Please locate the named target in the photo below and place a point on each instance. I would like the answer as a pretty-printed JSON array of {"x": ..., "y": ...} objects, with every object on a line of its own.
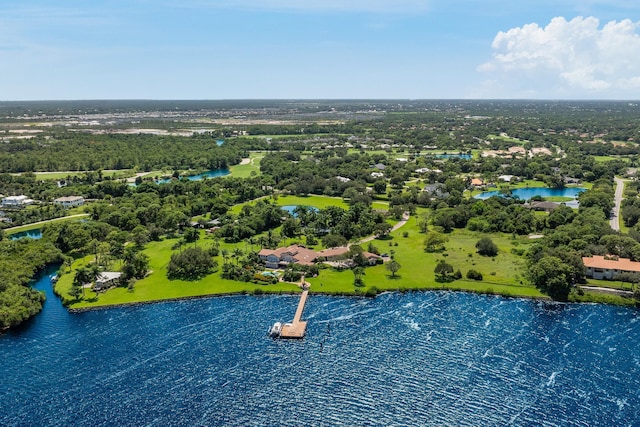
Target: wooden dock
[{"x": 297, "y": 327}]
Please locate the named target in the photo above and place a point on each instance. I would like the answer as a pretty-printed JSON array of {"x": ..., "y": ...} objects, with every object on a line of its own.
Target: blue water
[
  {"x": 433, "y": 358},
  {"x": 527, "y": 193},
  {"x": 208, "y": 174},
  {"x": 31, "y": 234},
  {"x": 291, "y": 209},
  {"x": 450, "y": 156},
  {"x": 219, "y": 142}
]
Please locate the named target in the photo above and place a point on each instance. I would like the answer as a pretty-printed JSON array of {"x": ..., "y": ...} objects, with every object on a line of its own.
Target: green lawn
[
  {"x": 602, "y": 159},
  {"x": 316, "y": 201},
  {"x": 35, "y": 226},
  {"x": 157, "y": 287},
  {"x": 244, "y": 171},
  {"x": 124, "y": 173},
  {"x": 501, "y": 274}
]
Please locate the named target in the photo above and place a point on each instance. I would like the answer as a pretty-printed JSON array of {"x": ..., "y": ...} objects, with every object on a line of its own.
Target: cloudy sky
[{"x": 283, "y": 49}]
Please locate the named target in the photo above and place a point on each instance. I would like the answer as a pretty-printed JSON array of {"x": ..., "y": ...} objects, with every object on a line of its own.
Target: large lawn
[
  {"x": 245, "y": 170},
  {"x": 502, "y": 274},
  {"x": 315, "y": 201},
  {"x": 156, "y": 286}
]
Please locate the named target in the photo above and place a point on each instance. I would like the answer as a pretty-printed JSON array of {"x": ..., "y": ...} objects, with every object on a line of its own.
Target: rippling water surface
[{"x": 434, "y": 358}]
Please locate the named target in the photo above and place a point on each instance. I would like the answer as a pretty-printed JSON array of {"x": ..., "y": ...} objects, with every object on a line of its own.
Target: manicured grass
[
  {"x": 602, "y": 159},
  {"x": 502, "y": 274},
  {"x": 62, "y": 175},
  {"x": 35, "y": 226},
  {"x": 417, "y": 270},
  {"x": 157, "y": 287},
  {"x": 244, "y": 171},
  {"x": 316, "y": 201}
]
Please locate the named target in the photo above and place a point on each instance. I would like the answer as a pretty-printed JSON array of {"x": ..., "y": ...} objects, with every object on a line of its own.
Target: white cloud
[{"x": 570, "y": 57}]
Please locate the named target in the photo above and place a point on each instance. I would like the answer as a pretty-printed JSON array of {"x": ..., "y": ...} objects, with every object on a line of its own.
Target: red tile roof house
[
  {"x": 600, "y": 267},
  {"x": 281, "y": 257},
  {"x": 294, "y": 254}
]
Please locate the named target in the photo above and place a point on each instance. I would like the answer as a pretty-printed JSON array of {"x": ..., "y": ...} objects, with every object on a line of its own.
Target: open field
[
  {"x": 502, "y": 274},
  {"x": 117, "y": 174},
  {"x": 39, "y": 224},
  {"x": 245, "y": 170},
  {"x": 156, "y": 286}
]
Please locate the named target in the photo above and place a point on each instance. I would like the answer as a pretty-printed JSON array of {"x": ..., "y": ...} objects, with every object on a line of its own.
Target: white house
[
  {"x": 16, "y": 201},
  {"x": 600, "y": 267},
  {"x": 107, "y": 279},
  {"x": 69, "y": 201}
]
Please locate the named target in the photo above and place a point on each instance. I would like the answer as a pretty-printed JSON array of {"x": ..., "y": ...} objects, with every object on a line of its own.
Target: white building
[
  {"x": 16, "y": 201},
  {"x": 107, "y": 279},
  {"x": 69, "y": 201}
]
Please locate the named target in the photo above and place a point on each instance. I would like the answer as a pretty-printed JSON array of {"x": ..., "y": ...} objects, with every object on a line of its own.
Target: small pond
[
  {"x": 528, "y": 193},
  {"x": 451, "y": 156},
  {"x": 208, "y": 174},
  {"x": 30, "y": 234},
  {"x": 291, "y": 208}
]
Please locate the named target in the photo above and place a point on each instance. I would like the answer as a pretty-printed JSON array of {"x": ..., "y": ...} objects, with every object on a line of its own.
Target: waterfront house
[
  {"x": 608, "y": 267},
  {"x": 107, "y": 279},
  {"x": 69, "y": 201},
  {"x": 281, "y": 257}
]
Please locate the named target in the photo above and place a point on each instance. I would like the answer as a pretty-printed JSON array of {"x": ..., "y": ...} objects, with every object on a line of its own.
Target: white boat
[{"x": 274, "y": 331}]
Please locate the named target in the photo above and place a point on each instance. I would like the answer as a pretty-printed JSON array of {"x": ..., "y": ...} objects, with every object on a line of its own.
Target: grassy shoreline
[{"x": 503, "y": 274}]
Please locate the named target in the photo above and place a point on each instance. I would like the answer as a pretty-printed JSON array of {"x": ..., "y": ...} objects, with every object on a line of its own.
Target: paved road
[
  {"x": 405, "y": 218},
  {"x": 615, "y": 213}
]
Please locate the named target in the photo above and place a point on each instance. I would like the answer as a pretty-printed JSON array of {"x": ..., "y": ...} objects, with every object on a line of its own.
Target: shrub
[
  {"x": 486, "y": 247},
  {"x": 474, "y": 275}
]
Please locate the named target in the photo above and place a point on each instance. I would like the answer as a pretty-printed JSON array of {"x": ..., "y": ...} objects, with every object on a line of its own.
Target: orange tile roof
[
  {"x": 623, "y": 264},
  {"x": 331, "y": 252}
]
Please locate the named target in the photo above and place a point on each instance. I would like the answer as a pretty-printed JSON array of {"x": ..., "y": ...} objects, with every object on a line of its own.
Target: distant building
[
  {"x": 600, "y": 267},
  {"x": 477, "y": 182},
  {"x": 69, "y": 201},
  {"x": 16, "y": 201}
]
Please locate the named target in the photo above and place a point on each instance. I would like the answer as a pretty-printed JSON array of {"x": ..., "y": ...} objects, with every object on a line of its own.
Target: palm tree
[
  {"x": 225, "y": 255},
  {"x": 237, "y": 253},
  {"x": 358, "y": 272}
]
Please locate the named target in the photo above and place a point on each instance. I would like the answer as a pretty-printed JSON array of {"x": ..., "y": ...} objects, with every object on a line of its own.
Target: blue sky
[{"x": 284, "y": 49}]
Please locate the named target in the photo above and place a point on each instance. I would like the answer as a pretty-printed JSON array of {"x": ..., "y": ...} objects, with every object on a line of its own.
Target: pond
[
  {"x": 291, "y": 208},
  {"x": 451, "y": 156},
  {"x": 528, "y": 193},
  {"x": 207, "y": 174},
  {"x": 31, "y": 234}
]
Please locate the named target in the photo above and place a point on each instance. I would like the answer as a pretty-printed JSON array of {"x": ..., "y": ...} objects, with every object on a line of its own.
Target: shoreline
[{"x": 340, "y": 294}]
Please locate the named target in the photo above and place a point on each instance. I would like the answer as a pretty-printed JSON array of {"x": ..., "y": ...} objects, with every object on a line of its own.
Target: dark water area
[{"x": 432, "y": 358}]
